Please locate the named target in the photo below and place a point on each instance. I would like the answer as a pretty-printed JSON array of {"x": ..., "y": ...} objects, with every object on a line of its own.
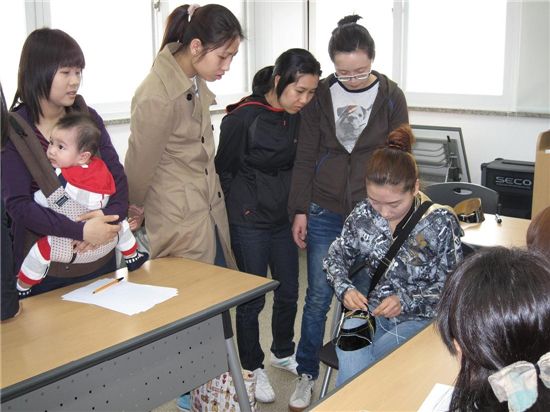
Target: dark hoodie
[
  {"x": 254, "y": 161},
  {"x": 324, "y": 172}
]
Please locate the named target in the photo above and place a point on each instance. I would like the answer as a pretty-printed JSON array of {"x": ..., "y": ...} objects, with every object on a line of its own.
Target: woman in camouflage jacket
[{"x": 405, "y": 298}]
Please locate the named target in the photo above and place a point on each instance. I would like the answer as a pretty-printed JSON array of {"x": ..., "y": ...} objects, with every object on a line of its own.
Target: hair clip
[
  {"x": 191, "y": 9},
  {"x": 517, "y": 383}
]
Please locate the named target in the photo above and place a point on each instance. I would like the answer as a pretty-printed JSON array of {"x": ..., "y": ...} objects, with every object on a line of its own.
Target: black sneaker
[{"x": 134, "y": 263}]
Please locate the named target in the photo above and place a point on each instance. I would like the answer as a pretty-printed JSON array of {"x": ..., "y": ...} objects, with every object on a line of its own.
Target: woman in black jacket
[{"x": 255, "y": 157}]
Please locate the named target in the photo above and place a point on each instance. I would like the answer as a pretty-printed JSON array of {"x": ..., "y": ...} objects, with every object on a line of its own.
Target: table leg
[{"x": 234, "y": 363}]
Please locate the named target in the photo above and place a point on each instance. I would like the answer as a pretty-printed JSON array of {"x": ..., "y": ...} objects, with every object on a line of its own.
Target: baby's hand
[{"x": 135, "y": 217}]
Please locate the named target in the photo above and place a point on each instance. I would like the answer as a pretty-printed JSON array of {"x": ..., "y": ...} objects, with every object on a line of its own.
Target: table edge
[
  {"x": 336, "y": 390},
  {"x": 46, "y": 378}
]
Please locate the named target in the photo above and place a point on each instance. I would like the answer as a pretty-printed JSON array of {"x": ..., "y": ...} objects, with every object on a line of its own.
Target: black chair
[
  {"x": 327, "y": 353},
  {"x": 452, "y": 193}
]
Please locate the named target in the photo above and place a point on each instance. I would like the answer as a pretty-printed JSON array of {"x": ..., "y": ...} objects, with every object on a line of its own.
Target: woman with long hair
[
  {"x": 50, "y": 73},
  {"x": 494, "y": 315},
  {"x": 170, "y": 157}
]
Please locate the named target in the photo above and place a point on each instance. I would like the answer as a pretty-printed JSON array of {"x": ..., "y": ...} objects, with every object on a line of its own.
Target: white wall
[{"x": 533, "y": 88}]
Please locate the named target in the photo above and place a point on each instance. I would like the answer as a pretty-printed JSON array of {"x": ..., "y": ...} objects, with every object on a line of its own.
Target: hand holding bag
[{"x": 361, "y": 333}]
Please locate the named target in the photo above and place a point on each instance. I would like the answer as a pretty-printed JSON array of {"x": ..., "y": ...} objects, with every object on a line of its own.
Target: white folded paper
[
  {"x": 124, "y": 297},
  {"x": 438, "y": 399}
]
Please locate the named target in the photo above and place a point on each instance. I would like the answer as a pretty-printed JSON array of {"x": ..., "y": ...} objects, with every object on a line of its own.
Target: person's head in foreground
[
  {"x": 494, "y": 314},
  {"x": 538, "y": 233}
]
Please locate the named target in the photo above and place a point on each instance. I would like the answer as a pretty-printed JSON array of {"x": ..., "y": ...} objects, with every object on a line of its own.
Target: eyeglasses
[{"x": 360, "y": 76}]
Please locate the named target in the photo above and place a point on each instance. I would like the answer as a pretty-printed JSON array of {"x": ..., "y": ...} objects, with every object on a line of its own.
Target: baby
[{"x": 73, "y": 149}]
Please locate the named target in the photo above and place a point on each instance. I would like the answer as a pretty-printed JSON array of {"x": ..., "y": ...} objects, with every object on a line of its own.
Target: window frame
[
  {"x": 38, "y": 14},
  {"x": 504, "y": 102}
]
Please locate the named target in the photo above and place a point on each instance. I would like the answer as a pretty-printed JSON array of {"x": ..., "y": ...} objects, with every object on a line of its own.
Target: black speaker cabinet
[{"x": 513, "y": 180}]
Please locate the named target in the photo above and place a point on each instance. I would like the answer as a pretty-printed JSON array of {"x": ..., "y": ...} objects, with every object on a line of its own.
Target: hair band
[
  {"x": 191, "y": 9},
  {"x": 393, "y": 145},
  {"x": 517, "y": 383}
]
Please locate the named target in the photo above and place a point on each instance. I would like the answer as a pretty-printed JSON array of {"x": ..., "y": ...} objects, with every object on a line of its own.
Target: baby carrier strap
[
  {"x": 29, "y": 148},
  {"x": 27, "y": 144}
]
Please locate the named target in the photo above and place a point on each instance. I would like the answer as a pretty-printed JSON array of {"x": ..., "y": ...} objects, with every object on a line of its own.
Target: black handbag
[{"x": 358, "y": 337}]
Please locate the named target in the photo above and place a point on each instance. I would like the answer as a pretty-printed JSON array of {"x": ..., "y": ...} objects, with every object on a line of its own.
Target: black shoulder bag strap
[
  {"x": 397, "y": 243},
  {"x": 386, "y": 261}
]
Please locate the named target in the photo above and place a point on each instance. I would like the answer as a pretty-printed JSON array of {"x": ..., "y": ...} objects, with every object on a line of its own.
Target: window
[
  {"x": 443, "y": 53},
  {"x": 11, "y": 49},
  {"x": 457, "y": 53},
  {"x": 119, "y": 39}
]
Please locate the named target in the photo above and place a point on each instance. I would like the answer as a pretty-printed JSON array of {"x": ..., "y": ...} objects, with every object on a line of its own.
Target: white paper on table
[
  {"x": 125, "y": 297},
  {"x": 438, "y": 399}
]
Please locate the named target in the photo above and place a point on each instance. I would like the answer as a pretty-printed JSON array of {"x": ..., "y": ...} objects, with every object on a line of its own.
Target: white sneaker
[
  {"x": 301, "y": 397},
  {"x": 264, "y": 392},
  {"x": 288, "y": 364}
]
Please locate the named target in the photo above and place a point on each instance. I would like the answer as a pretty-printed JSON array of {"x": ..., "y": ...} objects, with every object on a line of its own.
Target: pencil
[{"x": 105, "y": 286}]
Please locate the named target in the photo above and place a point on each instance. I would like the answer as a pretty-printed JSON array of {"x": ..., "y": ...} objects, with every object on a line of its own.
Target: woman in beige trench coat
[{"x": 170, "y": 157}]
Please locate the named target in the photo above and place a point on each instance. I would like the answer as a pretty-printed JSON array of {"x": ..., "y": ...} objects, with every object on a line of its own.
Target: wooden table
[
  {"x": 399, "y": 382},
  {"x": 511, "y": 232},
  {"x": 61, "y": 355}
]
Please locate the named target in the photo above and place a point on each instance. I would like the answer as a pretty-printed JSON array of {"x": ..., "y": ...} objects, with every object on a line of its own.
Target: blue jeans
[
  {"x": 256, "y": 249},
  {"x": 388, "y": 336},
  {"x": 323, "y": 227}
]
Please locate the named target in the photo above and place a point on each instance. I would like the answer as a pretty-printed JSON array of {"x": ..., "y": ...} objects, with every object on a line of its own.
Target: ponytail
[
  {"x": 262, "y": 82},
  {"x": 176, "y": 25},
  {"x": 213, "y": 24}
]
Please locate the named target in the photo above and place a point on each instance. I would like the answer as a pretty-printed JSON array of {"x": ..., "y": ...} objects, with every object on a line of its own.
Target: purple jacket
[{"x": 18, "y": 187}]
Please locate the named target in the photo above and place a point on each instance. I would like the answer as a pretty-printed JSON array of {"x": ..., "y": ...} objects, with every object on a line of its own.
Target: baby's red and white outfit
[{"x": 91, "y": 186}]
